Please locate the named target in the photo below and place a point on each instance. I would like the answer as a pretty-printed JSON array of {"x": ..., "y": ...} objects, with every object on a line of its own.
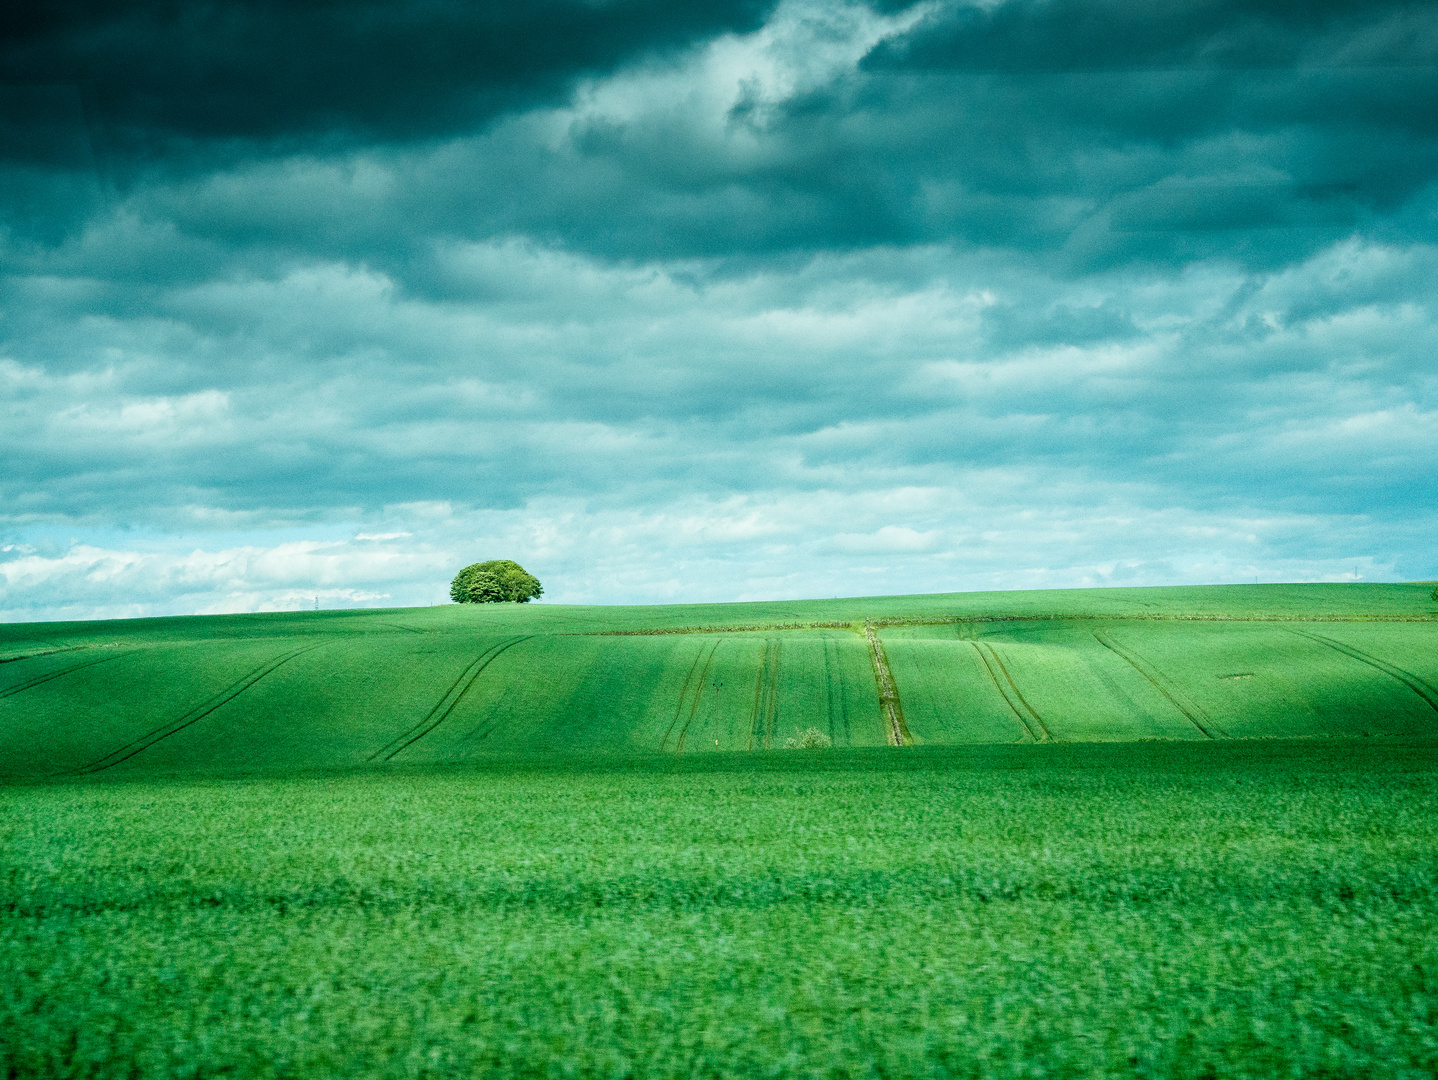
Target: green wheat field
[{"x": 1185, "y": 832}]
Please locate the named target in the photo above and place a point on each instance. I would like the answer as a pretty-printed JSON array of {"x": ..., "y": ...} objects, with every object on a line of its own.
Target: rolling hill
[{"x": 343, "y": 688}]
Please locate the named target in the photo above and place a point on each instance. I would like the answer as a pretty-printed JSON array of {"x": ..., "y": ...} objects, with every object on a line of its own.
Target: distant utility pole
[{"x": 317, "y": 603}]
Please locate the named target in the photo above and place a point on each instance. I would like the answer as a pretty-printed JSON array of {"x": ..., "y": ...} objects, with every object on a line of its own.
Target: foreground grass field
[
  {"x": 504, "y": 841},
  {"x": 458, "y": 683},
  {"x": 1184, "y": 909}
]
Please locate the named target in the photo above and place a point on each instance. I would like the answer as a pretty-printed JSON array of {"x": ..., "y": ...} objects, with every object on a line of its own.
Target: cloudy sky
[{"x": 711, "y": 299}]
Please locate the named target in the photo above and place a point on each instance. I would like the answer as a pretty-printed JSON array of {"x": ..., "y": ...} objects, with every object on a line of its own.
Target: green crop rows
[
  {"x": 455, "y": 683},
  {"x": 1166, "y": 910},
  {"x": 1159, "y": 833}
]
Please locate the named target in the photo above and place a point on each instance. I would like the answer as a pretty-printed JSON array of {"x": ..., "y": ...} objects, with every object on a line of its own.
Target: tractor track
[
  {"x": 1026, "y": 714},
  {"x": 47, "y": 652},
  {"x": 683, "y": 696},
  {"x": 11, "y": 691},
  {"x": 1191, "y": 711},
  {"x": 485, "y": 728},
  {"x": 698, "y": 695},
  {"x": 195, "y": 715},
  {"x": 764, "y": 714},
  {"x": 1417, "y": 684},
  {"x": 889, "y": 707},
  {"x": 447, "y": 703}
]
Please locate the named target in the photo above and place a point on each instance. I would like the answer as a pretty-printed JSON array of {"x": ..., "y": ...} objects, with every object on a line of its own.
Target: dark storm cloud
[
  {"x": 1078, "y": 35},
  {"x": 157, "y": 75},
  {"x": 1099, "y": 132},
  {"x": 98, "y": 98},
  {"x": 1090, "y": 133},
  {"x": 1125, "y": 130}
]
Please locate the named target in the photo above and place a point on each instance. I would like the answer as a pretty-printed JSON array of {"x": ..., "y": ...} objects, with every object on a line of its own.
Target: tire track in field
[
  {"x": 11, "y": 691},
  {"x": 1416, "y": 683},
  {"x": 1191, "y": 711},
  {"x": 889, "y": 707},
  {"x": 47, "y": 652},
  {"x": 683, "y": 696},
  {"x": 195, "y": 715},
  {"x": 445, "y": 705},
  {"x": 766, "y": 697},
  {"x": 1027, "y": 716},
  {"x": 698, "y": 695},
  {"x": 485, "y": 728}
]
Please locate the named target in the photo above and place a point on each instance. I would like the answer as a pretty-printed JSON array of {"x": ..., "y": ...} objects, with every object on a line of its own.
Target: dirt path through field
[
  {"x": 195, "y": 715},
  {"x": 445, "y": 705},
  {"x": 889, "y": 707}
]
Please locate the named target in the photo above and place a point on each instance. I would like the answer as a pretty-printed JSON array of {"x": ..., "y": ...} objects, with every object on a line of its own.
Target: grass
[
  {"x": 1149, "y": 833},
  {"x": 455, "y": 683},
  {"x": 1163, "y": 910}
]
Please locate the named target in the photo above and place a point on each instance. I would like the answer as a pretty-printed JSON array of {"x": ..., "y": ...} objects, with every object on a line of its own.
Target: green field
[
  {"x": 457, "y": 683},
  {"x": 1184, "y": 909},
  {"x": 1148, "y": 832}
]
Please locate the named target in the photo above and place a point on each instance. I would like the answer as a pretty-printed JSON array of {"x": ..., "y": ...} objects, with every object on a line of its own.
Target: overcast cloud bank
[{"x": 770, "y": 300}]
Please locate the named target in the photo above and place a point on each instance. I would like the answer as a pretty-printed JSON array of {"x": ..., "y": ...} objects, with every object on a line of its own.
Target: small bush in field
[{"x": 809, "y": 739}]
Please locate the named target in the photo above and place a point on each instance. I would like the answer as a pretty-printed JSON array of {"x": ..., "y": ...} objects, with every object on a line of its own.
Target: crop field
[
  {"x": 1150, "y": 833},
  {"x": 459, "y": 683},
  {"x": 1169, "y": 909}
]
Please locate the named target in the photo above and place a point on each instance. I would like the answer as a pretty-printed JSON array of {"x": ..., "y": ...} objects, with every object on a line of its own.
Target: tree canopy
[{"x": 494, "y": 582}]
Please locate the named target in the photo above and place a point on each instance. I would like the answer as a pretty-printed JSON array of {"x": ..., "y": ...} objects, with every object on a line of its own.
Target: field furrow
[
  {"x": 37, "y": 655},
  {"x": 763, "y": 714},
  {"x": 1019, "y": 714},
  {"x": 683, "y": 698}
]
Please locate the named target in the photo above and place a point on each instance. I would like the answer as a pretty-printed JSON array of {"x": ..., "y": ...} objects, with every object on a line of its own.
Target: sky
[{"x": 314, "y": 304}]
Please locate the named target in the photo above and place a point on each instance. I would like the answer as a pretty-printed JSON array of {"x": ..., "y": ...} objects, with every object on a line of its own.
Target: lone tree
[{"x": 494, "y": 582}]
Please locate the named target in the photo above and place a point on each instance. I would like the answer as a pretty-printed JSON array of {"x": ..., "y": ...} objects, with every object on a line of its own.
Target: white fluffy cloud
[{"x": 1000, "y": 530}]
